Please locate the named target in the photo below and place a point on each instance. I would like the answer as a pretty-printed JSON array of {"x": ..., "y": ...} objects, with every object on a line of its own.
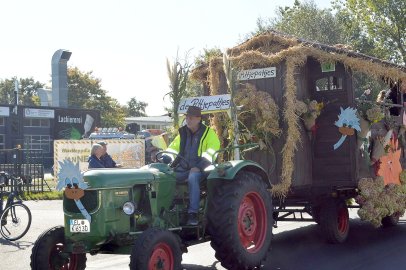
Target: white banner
[
  {"x": 259, "y": 73},
  {"x": 206, "y": 103},
  {"x": 39, "y": 113},
  {"x": 128, "y": 153},
  {"x": 4, "y": 111}
]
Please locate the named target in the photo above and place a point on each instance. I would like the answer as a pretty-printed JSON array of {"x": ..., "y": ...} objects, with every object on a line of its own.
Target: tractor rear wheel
[
  {"x": 47, "y": 252},
  {"x": 239, "y": 220},
  {"x": 334, "y": 220},
  {"x": 156, "y": 249}
]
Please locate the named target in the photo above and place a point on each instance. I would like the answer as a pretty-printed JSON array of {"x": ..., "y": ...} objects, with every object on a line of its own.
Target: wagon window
[{"x": 329, "y": 83}]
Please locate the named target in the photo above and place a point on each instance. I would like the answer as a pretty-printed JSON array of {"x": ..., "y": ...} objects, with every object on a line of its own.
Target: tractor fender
[{"x": 228, "y": 170}]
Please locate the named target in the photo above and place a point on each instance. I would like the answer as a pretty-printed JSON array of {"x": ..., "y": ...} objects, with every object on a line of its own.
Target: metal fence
[{"x": 28, "y": 165}]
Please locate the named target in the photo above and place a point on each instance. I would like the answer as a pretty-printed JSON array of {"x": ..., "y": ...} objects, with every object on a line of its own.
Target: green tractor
[{"x": 142, "y": 212}]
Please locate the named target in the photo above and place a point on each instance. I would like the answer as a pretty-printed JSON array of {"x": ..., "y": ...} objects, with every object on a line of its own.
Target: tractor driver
[{"x": 196, "y": 143}]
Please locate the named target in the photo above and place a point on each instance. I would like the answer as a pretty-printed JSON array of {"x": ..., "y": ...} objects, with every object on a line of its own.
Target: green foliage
[
  {"x": 27, "y": 91},
  {"x": 85, "y": 92},
  {"x": 136, "y": 108},
  {"x": 381, "y": 24},
  {"x": 305, "y": 20},
  {"x": 207, "y": 55},
  {"x": 178, "y": 74},
  {"x": 49, "y": 195}
]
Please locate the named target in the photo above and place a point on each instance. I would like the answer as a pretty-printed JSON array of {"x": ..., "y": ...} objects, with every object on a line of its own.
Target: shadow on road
[
  {"x": 20, "y": 245},
  {"x": 366, "y": 248},
  {"x": 199, "y": 267}
]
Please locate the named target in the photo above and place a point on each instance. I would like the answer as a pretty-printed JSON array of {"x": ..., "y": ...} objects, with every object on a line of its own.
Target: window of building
[
  {"x": 38, "y": 142},
  {"x": 36, "y": 122},
  {"x": 1, "y": 121},
  {"x": 329, "y": 83},
  {"x": 2, "y": 142}
]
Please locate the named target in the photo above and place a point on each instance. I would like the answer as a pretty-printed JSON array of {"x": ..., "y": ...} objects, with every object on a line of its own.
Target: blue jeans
[{"x": 194, "y": 191}]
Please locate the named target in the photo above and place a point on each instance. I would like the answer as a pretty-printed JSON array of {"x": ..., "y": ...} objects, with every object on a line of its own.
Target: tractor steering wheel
[{"x": 176, "y": 162}]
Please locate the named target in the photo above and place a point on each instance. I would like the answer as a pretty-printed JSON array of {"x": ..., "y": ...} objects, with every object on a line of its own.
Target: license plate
[{"x": 79, "y": 225}]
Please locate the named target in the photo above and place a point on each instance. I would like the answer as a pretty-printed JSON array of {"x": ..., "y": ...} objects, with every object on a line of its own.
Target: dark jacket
[
  {"x": 107, "y": 161},
  {"x": 94, "y": 162}
]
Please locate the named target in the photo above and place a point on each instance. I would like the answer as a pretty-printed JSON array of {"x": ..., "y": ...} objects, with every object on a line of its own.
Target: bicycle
[{"x": 16, "y": 217}]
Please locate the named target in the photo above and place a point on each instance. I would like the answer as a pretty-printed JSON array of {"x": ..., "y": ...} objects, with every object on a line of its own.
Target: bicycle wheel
[{"x": 15, "y": 221}]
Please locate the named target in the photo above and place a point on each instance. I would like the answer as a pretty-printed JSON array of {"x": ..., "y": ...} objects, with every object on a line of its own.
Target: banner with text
[
  {"x": 259, "y": 73},
  {"x": 208, "y": 104},
  {"x": 128, "y": 153}
]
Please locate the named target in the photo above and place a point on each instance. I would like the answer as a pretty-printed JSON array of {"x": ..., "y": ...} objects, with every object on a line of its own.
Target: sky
[{"x": 125, "y": 43}]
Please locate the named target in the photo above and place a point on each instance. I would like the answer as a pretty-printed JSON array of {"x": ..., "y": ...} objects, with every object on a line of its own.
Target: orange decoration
[{"x": 390, "y": 167}]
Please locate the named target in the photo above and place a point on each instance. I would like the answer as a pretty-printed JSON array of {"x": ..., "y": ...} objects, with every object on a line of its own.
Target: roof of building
[{"x": 149, "y": 119}]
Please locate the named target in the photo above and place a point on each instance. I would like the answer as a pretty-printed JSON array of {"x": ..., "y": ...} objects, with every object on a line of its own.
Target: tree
[
  {"x": 382, "y": 21},
  {"x": 27, "y": 91},
  {"x": 85, "y": 92},
  {"x": 136, "y": 108},
  {"x": 178, "y": 74},
  {"x": 304, "y": 20}
]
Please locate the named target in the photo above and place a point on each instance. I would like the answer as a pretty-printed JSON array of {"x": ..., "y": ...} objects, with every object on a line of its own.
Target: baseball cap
[{"x": 102, "y": 143}]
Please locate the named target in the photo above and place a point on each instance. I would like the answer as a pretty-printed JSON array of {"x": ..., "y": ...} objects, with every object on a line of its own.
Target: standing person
[
  {"x": 196, "y": 143},
  {"x": 95, "y": 155},
  {"x": 106, "y": 159}
]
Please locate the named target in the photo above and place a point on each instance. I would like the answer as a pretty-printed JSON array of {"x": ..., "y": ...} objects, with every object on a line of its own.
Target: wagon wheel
[
  {"x": 156, "y": 249},
  {"x": 334, "y": 220},
  {"x": 391, "y": 220}
]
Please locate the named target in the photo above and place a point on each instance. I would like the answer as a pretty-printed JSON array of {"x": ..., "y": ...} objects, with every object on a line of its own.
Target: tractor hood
[{"x": 111, "y": 178}]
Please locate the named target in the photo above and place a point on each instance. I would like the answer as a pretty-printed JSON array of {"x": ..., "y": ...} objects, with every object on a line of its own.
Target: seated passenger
[{"x": 95, "y": 155}]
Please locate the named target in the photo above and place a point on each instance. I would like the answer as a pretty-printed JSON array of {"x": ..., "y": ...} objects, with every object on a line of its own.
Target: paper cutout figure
[
  {"x": 70, "y": 178},
  {"x": 389, "y": 166},
  {"x": 347, "y": 123}
]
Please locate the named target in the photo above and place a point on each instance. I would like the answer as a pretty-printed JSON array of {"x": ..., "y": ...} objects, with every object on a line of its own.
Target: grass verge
[{"x": 48, "y": 195}]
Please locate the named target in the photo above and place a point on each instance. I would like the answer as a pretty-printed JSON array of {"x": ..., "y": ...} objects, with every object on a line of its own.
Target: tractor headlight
[{"x": 129, "y": 208}]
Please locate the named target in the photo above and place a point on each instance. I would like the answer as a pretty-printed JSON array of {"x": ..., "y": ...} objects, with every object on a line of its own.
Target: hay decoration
[
  {"x": 293, "y": 132},
  {"x": 260, "y": 114},
  {"x": 199, "y": 73},
  {"x": 378, "y": 201},
  {"x": 267, "y": 40}
]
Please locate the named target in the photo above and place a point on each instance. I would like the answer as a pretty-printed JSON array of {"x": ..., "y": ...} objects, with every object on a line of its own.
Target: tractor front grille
[{"x": 89, "y": 201}]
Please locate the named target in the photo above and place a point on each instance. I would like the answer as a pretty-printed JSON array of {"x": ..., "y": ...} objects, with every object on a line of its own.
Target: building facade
[{"x": 36, "y": 128}]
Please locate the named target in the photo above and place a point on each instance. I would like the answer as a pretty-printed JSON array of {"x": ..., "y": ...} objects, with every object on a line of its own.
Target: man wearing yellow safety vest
[{"x": 196, "y": 143}]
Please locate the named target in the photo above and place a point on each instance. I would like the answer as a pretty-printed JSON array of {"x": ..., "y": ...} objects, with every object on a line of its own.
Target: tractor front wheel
[
  {"x": 240, "y": 221},
  {"x": 48, "y": 252},
  {"x": 156, "y": 249}
]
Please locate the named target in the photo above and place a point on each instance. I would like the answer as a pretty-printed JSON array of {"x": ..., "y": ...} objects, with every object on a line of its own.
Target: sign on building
[
  {"x": 38, "y": 113},
  {"x": 75, "y": 124},
  {"x": 259, "y": 73},
  {"x": 4, "y": 111},
  {"x": 128, "y": 153},
  {"x": 206, "y": 103}
]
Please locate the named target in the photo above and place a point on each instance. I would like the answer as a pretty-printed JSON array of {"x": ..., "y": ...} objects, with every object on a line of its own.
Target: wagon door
[{"x": 331, "y": 168}]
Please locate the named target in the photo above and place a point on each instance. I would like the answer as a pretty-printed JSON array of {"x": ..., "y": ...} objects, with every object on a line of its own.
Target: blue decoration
[
  {"x": 347, "y": 122},
  {"x": 71, "y": 178}
]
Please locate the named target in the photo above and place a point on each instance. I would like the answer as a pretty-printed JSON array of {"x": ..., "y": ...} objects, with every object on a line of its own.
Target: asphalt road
[{"x": 296, "y": 246}]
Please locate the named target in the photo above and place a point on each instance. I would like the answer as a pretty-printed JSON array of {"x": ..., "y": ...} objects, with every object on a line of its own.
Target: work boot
[{"x": 192, "y": 219}]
